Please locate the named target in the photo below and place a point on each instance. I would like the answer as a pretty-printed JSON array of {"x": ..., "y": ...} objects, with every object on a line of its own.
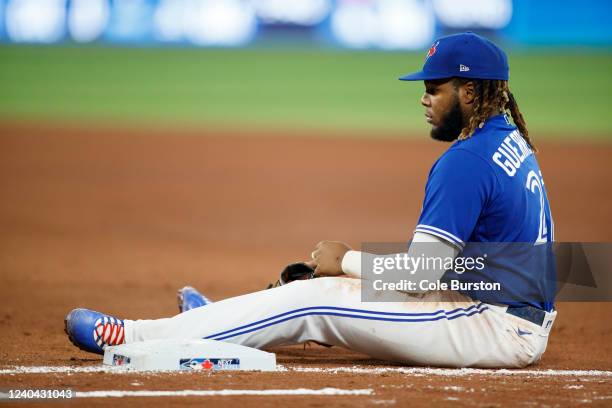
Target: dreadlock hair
[{"x": 492, "y": 97}]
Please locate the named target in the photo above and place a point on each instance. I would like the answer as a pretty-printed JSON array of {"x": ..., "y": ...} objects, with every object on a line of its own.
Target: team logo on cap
[{"x": 432, "y": 50}]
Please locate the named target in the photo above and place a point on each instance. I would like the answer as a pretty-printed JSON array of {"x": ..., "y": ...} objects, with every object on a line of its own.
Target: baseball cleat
[
  {"x": 92, "y": 331},
  {"x": 189, "y": 298}
]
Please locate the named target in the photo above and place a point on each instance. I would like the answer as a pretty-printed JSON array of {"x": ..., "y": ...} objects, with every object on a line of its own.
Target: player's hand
[{"x": 327, "y": 258}]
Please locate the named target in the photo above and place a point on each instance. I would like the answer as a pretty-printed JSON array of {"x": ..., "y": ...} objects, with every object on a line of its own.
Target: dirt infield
[{"x": 117, "y": 220}]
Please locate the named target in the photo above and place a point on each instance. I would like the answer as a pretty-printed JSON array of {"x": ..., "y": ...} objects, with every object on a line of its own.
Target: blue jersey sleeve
[{"x": 460, "y": 185}]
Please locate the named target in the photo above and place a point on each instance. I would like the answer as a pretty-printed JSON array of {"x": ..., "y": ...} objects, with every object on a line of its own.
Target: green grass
[{"x": 558, "y": 93}]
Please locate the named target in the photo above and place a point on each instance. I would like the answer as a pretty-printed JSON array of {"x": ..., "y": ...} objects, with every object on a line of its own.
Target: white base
[{"x": 188, "y": 355}]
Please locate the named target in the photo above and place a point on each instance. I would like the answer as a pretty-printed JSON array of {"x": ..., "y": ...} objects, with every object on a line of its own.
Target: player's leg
[{"x": 444, "y": 328}]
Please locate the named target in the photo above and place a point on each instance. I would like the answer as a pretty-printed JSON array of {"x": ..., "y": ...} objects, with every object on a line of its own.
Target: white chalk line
[
  {"x": 455, "y": 372},
  {"x": 220, "y": 393},
  {"x": 413, "y": 371}
]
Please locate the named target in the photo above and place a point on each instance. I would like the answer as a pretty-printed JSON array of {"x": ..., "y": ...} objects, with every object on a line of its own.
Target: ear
[{"x": 467, "y": 92}]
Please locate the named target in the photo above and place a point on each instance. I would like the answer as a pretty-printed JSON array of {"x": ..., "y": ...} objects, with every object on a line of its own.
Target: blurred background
[
  {"x": 313, "y": 64},
  {"x": 149, "y": 144}
]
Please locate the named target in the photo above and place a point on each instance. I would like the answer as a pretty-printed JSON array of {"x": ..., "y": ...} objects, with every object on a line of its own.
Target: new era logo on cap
[{"x": 463, "y": 68}]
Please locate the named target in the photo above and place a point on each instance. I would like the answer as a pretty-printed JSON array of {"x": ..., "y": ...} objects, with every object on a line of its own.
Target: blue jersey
[{"x": 489, "y": 189}]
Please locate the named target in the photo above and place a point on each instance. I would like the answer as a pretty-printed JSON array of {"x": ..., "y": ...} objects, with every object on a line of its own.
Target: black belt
[{"x": 529, "y": 313}]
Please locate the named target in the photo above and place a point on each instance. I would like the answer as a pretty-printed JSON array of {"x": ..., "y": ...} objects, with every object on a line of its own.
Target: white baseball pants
[{"x": 438, "y": 329}]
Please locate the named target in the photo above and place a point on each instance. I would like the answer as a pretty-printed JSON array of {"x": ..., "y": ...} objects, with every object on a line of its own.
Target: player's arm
[
  {"x": 435, "y": 247},
  {"x": 333, "y": 258}
]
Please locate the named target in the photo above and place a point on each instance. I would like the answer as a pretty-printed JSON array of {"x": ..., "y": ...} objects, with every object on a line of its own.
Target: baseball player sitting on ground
[{"x": 487, "y": 187}]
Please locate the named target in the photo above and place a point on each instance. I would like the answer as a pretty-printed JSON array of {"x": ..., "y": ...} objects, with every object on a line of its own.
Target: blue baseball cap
[{"x": 465, "y": 55}]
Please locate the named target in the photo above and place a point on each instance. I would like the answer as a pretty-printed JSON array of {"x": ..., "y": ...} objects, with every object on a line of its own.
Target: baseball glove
[{"x": 293, "y": 272}]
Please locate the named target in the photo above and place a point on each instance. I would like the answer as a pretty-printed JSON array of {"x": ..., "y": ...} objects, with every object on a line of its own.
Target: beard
[{"x": 451, "y": 125}]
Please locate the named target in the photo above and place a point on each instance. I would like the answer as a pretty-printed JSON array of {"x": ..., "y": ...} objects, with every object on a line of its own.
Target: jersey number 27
[{"x": 535, "y": 182}]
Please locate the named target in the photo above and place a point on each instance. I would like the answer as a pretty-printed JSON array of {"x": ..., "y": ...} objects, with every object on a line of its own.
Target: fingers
[
  {"x": 316, "y": 258},
  {"x": 321, "y": 243},
  {"x": 318, "y": 249},
  {"x": 316, "y": 254},
  {"x": 312, "y": 264}
]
